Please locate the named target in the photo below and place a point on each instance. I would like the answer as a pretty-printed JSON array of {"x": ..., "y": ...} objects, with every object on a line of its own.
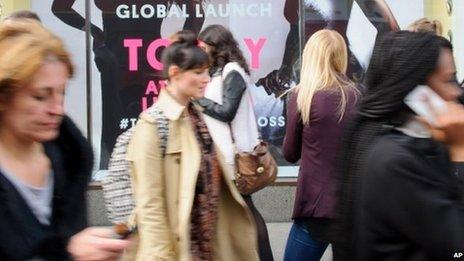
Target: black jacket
[
  {"x": 412, "y": 203},
  {"x": 233, "y": 87},
  {"x": 22, "y": 236}
]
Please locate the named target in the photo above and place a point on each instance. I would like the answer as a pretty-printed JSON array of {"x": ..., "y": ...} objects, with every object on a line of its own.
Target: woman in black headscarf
[{"x": 401, "y": 197}]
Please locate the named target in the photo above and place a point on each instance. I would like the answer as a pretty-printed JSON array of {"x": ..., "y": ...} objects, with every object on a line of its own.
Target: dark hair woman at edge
[
  {"x": 400, "y": 198},
  {"x": 230, "y": 76},
  {"x": 22, "y": 14}
]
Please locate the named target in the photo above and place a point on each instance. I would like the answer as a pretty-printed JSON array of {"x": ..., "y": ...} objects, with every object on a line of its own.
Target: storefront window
[{"x": 117, "y": 53}]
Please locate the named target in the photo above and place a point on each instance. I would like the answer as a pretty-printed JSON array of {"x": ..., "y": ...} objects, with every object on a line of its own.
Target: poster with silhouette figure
[
  {"x": 127, "y": 37},
  {"x": 126, "y": 45}
]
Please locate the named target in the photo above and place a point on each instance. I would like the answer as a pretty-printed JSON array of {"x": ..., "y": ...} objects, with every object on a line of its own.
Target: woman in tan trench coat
[{"x": 186, "y": 206}]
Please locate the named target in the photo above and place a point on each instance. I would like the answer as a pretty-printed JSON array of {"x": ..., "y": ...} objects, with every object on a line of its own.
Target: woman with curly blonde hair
[{"x": 426, "y": 25}]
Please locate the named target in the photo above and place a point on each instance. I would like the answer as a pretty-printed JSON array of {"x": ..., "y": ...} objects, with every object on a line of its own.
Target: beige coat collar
[{"x": 171, "y": 108}]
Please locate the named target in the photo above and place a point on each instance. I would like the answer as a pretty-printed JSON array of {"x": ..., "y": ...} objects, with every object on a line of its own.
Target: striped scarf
[{"x": 207, "y": 192}]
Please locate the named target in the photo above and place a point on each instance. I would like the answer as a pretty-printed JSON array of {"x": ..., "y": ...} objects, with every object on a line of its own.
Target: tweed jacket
[{"x": 164, "y": 190}]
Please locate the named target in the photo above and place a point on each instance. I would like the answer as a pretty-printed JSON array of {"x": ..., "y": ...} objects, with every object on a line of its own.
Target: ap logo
[{"x": 458, "y": 255}]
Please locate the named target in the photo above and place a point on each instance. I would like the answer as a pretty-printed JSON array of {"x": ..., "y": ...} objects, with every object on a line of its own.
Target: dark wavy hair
[
  {"x": 23, "y": 14},
  {"x": 400, "y": 61},
  {"x": 224, "y": 48},
  {"x": 184, "y": 52}
]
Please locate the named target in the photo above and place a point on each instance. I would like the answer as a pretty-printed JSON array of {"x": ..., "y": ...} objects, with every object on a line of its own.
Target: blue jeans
[{"x": 300, "y": 245}]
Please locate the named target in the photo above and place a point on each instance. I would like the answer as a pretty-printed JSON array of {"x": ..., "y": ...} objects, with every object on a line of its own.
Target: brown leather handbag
[{"x": 255, "y": 170}]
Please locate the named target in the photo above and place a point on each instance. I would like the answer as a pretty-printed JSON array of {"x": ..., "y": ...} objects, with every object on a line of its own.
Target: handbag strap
[
  {"x": 232, "y": 136},
  {"x": 228, "y": 123},
  {"x": 260, "y": 137}
]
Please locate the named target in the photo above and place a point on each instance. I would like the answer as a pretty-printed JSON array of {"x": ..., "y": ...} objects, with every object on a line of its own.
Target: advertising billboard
[{"x": 117, "y": 52}]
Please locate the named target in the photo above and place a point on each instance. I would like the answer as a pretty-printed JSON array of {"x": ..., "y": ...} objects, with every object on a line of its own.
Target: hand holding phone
[
  {"x": 426, "y": 103},
  {"x": 446, "y": 120}
]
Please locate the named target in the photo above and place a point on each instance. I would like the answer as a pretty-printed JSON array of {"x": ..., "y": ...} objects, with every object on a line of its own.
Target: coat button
[
  {"x": 178, "y": 238},
  {"x": 178, "y": 160}
]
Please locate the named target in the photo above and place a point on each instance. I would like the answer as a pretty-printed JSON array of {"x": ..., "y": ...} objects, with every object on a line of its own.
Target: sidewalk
[{"x": 278, "y": 233}]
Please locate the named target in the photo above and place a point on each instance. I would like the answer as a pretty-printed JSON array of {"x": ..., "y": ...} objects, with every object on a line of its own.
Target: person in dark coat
[
  {"x": 402, "y": 198},
  {"x": 45, "y": 162}
]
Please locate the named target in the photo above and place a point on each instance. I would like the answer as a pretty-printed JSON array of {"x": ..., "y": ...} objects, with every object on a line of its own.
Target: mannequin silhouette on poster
[{"x": 127, "y": 53}]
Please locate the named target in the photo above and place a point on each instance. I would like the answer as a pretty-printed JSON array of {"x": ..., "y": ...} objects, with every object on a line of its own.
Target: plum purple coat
[{"x": 317, "y": 144}]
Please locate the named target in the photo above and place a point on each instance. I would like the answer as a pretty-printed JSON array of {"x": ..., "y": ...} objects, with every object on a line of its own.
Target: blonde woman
[
  {"x": 318, "y": 110},
  {"x": 426, "y": 25},
  {"x": 45, "y": 162}
]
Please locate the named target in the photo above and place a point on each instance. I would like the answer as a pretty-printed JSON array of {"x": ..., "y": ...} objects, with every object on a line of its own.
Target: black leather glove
[{"x": 277, "y": 81}]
